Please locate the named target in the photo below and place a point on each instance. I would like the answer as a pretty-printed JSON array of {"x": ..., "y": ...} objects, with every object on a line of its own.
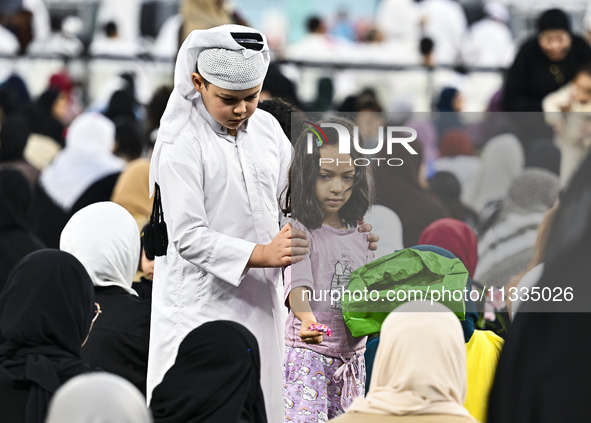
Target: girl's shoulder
[{"x": 299, "y": 225}]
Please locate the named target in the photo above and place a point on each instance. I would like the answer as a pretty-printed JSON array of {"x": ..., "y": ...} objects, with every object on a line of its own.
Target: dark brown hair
[{"x": 300, "y": 194}]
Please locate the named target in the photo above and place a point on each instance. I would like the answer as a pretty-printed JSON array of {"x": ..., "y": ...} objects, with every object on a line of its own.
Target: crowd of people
[{"x": 179, "y": 261}]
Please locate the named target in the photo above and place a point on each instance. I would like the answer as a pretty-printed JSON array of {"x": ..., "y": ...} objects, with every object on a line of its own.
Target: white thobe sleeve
[{"x": 181, "y": 183}]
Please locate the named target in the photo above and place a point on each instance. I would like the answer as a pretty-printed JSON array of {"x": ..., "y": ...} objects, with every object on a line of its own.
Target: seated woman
[
  {"x": 105, "y": 238},
  {"x": 16, "y": 239},
  {"x": 46, "y": 310},
  {"x": 85, "y": 172},
  {"x": 215, "y": 378},
  {"x": 420, "y": 370}
]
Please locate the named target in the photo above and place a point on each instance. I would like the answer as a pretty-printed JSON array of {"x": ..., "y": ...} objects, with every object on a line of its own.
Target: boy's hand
[
  {"x": 288, "y": 247},
  {"x": 310, "y": 336},
  {"x": 372, "y": 238}
]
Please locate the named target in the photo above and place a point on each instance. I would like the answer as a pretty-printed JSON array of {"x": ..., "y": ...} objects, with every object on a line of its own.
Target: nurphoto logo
[{"x": 392, "y": 137}]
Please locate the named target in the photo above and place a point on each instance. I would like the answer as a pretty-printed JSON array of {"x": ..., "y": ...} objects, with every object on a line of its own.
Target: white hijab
[
  {"x": 87, "y": 158},
  {"x": 106, "y": 240},
  {"x": 420, "y": 365},
  {"x": 98, "y": 398},
  {"x": 386, "y": 223},
  {"x": 180, "y": 103},
  {"x": 502, "y": 161}
]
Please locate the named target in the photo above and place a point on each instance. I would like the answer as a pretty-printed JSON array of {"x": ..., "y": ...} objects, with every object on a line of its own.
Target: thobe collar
[{"x": 217, "y": 128}]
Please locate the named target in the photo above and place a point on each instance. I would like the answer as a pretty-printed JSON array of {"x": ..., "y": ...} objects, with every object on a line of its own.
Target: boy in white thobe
[{"x": 221, "y": 168}]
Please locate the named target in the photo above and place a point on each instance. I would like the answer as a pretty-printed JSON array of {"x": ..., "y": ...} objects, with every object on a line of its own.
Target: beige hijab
[
  {"x": 132, "y": 191},
  {"x": 420, "y": 365}
]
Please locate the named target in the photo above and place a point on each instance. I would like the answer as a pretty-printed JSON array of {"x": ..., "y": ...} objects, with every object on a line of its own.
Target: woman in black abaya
[
  {"x": 46, "y": 310},
  {"x": 544, "y": 63},
  {"x": 16, "y": 240},
  {"x": 215, "y": 378}
]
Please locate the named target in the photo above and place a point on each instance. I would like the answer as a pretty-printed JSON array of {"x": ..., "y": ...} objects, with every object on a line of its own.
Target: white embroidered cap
[{"x": 231, "y": 69}]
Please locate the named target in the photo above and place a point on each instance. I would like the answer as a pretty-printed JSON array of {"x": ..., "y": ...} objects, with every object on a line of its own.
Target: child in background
[
  {"x": 568, "y": 111},
  {"x": 146, "y": 266},
  {"x": 323, "y": 373}
]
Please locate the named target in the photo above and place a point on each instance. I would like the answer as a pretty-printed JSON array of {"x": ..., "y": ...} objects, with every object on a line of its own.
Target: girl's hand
[
  {"x": 372, "y": 238},
  {"x": 310, "y": 336}
]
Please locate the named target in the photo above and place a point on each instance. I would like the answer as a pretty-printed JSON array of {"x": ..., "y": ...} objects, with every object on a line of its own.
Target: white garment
[
  {"x": 220, "y": 198},
  {"x": 527, "y": 282},
  {"x": 104, "y": 46},
  {"x": 321, "y": 48},
  {"x": 398, "y": 20},
  {"x": 178, "y": 108},
  {"x": 105, "y": 238},
  {"x": 465, "y": 168},
  {"x": 98, "y": 398},
  {"x": 125, "y": 14},
  {"x": 167, "y": 41},
  {"x": 8, "y": 42},
  {"x": 57, "y": 45},
  {"x": 41, "y": 20},
  {"x": 445, "y": 23},
  {"x": 386, "y": 224},
  {"x": 502, "y": 160},
  {"x": 86, "y": 159},
  {"x": 489, "y": 43}
]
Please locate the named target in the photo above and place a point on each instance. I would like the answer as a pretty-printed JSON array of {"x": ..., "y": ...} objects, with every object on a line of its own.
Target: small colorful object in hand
[{"x": 321, "y": 328}]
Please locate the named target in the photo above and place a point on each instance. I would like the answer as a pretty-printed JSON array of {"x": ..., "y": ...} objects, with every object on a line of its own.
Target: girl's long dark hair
[{"x": 300, "y": 194}]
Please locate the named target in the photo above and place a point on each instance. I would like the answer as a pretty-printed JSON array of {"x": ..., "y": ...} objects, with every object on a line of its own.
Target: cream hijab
[
  {"x": 98, "y": 398},
  {"x": 106, "y": 240},
  {"x": 420, "y": 365}
]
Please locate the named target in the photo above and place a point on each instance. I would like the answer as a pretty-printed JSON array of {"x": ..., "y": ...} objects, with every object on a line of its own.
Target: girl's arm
[{"x": 300, "y": 306}]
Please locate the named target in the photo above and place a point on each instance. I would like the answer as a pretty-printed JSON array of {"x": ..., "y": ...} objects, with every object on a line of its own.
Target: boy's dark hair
[
  {"x": 205, "y": 81},
  {"x": 300, "y": 194},
  {"x": 110, "y": 29}
]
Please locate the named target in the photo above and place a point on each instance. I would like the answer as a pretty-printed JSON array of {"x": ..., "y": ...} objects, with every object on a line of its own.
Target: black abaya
[
  {"x": 46, "y": 309},
  {"x": 215, "y": 378},
  {"x": 120, "y": 337},
  {"x": 16, "y": 241}
]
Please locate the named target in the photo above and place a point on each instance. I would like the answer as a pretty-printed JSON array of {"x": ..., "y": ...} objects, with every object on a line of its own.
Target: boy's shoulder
[{"x": 265, "y": 121}]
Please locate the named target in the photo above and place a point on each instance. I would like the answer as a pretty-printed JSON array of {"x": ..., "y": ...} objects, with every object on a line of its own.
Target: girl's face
[{"x": 333, "y": 183}]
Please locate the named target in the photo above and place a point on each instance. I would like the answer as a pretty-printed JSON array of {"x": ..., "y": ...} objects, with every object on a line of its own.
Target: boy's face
[{"x": 229, "y": 108}]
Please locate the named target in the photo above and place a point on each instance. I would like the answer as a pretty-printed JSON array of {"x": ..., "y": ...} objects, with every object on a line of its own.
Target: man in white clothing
[{"x": 489, "y": 43}]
